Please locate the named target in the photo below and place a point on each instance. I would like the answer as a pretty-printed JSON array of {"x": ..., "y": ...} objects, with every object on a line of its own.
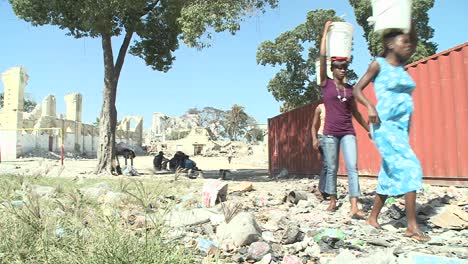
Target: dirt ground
[
  {"x": 143, "y": 164},
  {"x": 265, "y": 200}
]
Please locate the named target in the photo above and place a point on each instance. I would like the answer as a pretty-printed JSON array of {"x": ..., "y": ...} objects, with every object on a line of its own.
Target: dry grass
[{"x": 71, "y": 228}]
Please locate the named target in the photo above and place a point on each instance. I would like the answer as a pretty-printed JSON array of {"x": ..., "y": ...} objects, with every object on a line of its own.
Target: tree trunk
[{"x": 108, "y": 120}]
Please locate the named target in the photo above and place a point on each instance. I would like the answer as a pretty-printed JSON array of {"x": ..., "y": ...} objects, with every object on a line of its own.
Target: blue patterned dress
[{"x": 401, "y": 171}]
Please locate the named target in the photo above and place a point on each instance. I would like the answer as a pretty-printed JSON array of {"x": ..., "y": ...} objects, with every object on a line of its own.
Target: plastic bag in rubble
[
  {"x": 330, "y": 232},
  {"x": 214, "y": 192},
  {"x": 130, "y": 171}
]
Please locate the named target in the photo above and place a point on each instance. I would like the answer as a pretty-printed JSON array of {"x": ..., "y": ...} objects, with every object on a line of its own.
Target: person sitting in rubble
[
  {"x": 123, "y": 150},
  {"x": 160, "y": 162},
  {"x": 190, "y": 164},
  {"x": 178, "y": 161}
]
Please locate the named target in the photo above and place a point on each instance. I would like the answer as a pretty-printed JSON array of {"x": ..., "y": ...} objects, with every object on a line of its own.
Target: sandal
[
  {"x": 419, "y": 236},
  {"x": 358, "y": 217}
]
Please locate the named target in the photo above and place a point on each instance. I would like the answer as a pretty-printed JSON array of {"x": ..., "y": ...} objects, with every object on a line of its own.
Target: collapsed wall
[{"x": 42, "y": 131}]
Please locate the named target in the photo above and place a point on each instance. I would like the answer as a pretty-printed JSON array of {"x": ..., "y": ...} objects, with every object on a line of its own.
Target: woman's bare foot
[
  {"x": 358, "y": 214},
  {"x": 373, "y": 222},
  {"x": 331, "y": 207},
  {"x": 418, "y": 235}
]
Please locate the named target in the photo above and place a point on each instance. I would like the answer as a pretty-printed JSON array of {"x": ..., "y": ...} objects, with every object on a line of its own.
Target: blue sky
[{"x": 220, "y": 76}]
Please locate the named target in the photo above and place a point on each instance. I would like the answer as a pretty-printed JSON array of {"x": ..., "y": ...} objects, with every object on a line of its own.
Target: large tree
[
  {"x": 295, "y": 83},
  {"x": 363, "y": 10},
  {"x": 235, "y": 122},
  {"x": 156, "y": 27}
]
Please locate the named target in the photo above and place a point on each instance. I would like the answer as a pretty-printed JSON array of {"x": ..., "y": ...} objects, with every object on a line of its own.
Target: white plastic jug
[
  {"x": 317, "y": 70},
  {"x": 340, "y": 40},
  {"x": 388, "y": 14}
]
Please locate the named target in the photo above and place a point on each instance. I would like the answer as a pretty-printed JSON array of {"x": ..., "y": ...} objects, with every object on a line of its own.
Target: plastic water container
[
  {"x": 388, "y": 14},
  {"x": 317, "y": 70},
  {"x": 340, "y": 40}
]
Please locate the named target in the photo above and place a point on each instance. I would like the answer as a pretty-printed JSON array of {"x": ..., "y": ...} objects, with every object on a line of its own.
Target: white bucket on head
[
  {"x": 317, "y": 70},
  {"x": 340, "y": 40},
  {"x": 388, "y": 14}
]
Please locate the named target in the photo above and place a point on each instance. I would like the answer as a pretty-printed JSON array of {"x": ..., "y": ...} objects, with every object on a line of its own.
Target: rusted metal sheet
[
  {"x": 437, "y": 132},
  {"x": 290, "y": 143},
  {"x": 441, "y": 113}
]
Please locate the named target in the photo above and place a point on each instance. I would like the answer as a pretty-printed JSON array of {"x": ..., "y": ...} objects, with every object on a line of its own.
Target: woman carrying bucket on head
[
  {"x": 339, "y": 132},
  {"x": 401, "y": 171}
]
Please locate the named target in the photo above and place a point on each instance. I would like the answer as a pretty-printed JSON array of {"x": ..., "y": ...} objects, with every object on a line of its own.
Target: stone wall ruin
[{"x": 23, "y": 134}]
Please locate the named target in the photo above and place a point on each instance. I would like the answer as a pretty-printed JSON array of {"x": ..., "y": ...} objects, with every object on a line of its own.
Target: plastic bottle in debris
[
  {"x": 330, "y": 232},
  {"x": 390, "y": 200}
]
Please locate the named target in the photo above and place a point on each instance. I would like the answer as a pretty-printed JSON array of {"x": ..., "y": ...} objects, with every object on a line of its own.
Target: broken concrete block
[
  {"x": 290, "y": 259},
  {"x": 193, "y": 217},
  {"x": 242, "y": 187},
  {"x": 452, "y": 218},
  {"x": 242, "y": 230},
  {"x": 258, "y": 250}
]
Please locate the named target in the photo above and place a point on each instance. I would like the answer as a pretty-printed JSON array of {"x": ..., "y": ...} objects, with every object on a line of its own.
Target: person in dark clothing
[
  {"x": 160, "y": 162},
  {"x": 178, "y": 161},
  {"x": 190, "y": 164}
]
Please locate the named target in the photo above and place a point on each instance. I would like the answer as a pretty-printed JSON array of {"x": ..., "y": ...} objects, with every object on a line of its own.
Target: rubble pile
[{"x": 283, "y": 222}]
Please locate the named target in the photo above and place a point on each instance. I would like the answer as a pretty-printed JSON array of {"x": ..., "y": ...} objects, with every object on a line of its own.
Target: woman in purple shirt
[{"x": 339, "y": 132}]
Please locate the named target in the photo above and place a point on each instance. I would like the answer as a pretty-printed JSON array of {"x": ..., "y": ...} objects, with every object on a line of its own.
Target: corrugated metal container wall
[
  {"x": 290, "y": 143},
  {"x": 441, "y": 113},
  {"x": 437, "y": 132}
]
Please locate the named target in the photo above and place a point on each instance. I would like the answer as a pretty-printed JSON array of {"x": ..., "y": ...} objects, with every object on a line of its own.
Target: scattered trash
[
  {"x": 295, "y": 196},
  {"x": 390, "y": 200},
  {"x": 17, "y": 203},
  {"x": 330, "y": 232},
  {"x": 214, "y": 191},
  {"x": 207, "y": 246},
  {"x": 59, "y": 232},
  {"x": 130, "y": 171},
  {"x": 357, "y": 242}
]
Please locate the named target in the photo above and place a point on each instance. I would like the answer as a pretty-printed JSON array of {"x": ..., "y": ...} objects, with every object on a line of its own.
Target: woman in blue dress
[{"x": 401, "y": 172}]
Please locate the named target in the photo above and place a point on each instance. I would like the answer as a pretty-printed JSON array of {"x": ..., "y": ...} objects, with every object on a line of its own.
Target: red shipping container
[{"x": 437, "y": 132}]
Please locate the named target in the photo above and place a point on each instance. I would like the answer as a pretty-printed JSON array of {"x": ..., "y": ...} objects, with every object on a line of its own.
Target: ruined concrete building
[
  {"x": 178, "y": 133},
  {"x": 23, "y": 133}
]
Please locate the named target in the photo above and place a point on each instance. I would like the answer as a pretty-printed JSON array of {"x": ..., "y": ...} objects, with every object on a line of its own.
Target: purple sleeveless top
[{"x": 338, "y": 118}]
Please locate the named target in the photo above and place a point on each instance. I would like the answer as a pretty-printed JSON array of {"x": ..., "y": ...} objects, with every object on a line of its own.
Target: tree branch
[
  {"x": 121, "y": 56},
  {"x": 150, "y": 7}
]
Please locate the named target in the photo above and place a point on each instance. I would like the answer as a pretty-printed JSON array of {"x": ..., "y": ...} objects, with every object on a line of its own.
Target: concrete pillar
[
  {"x": 139, "y": 130},
  {"x": 158, "y": 125},
  {"x": 74, "y": 108},
  {"x": 11, "y": 118},
  {"x": 49, "y": 106}
]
